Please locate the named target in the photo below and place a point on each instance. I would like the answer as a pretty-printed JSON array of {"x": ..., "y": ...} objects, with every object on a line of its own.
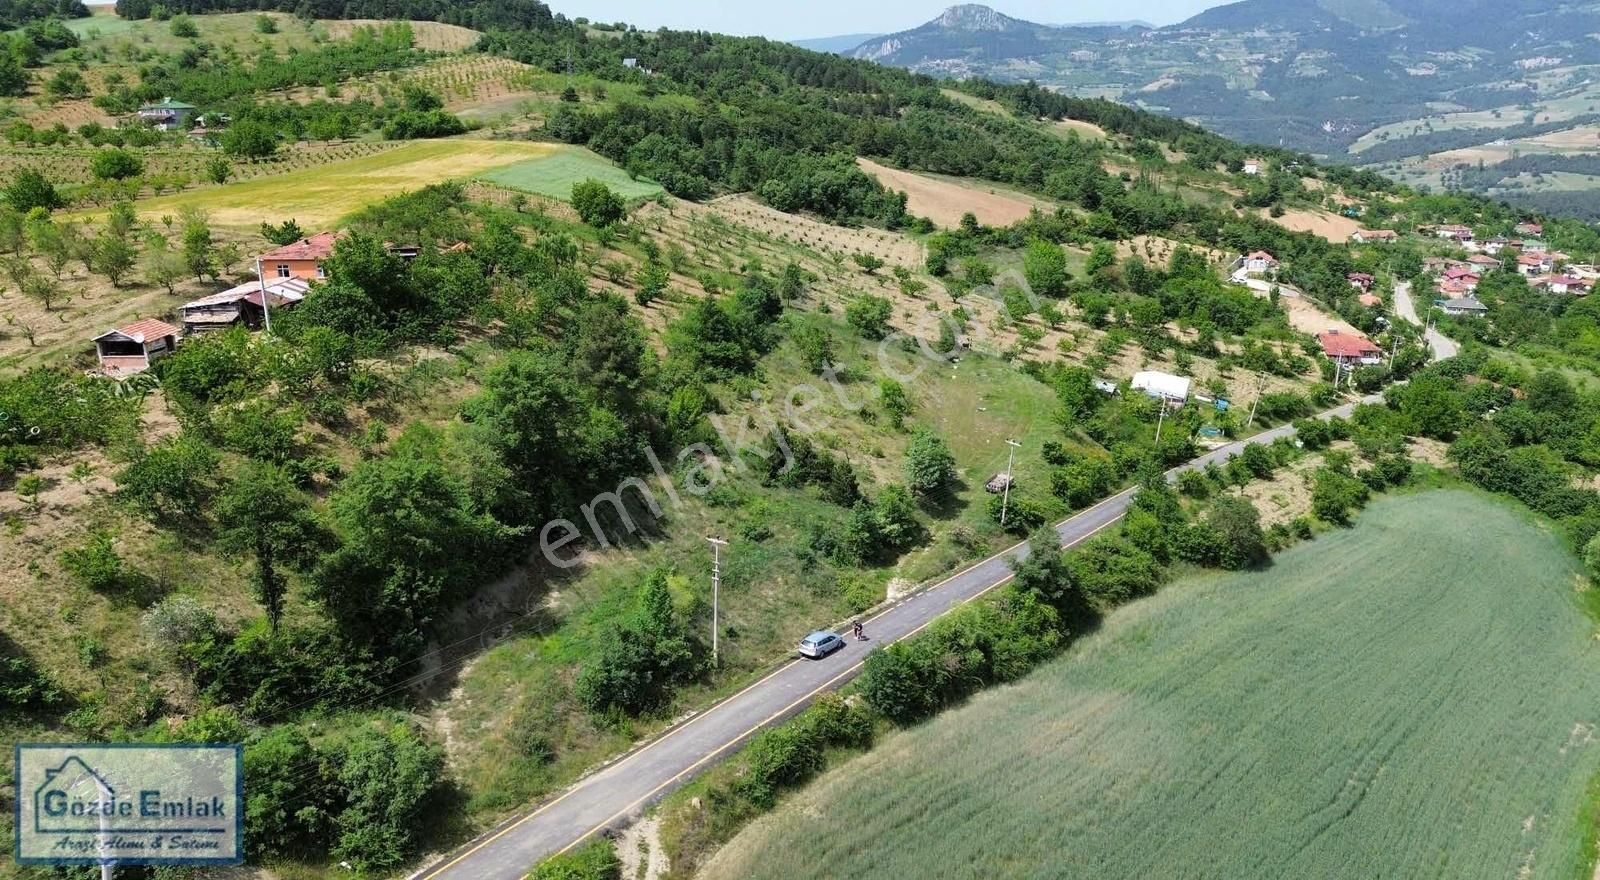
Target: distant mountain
[
  {"x": 1377, "y": 81},
  {"x": 834, "y": 45}
]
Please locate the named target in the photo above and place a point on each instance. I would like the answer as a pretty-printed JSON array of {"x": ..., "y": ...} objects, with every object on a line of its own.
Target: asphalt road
[
  {"x": 613, "y": 796},
  {"x": 1442, "y": 345}
]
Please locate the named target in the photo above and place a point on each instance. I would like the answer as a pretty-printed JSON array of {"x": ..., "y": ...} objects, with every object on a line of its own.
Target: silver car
[{"x": 820, "y": 644}]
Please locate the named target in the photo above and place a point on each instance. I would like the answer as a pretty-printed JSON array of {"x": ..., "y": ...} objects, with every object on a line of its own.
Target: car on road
[{"x": 820, "y": 644}]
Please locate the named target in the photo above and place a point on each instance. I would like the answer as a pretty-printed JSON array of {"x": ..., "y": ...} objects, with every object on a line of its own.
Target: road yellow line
[
  {"x": 434, "y": 871},
  {"x": 819, "y": 689}
]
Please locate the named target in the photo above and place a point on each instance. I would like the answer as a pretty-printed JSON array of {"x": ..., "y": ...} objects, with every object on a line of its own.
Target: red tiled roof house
[
  {"x": 1343, "y": 348},
  {"x": 133, "y": 348},
  {"x": 300, "y": 259}
]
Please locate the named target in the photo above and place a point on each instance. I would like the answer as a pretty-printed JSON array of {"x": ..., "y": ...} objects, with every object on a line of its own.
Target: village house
[
  {"x": 1453, "y": 289},
  {"x": 1346, "y": 350},
  {"x": 299, "y": 259},
  {"x": 134, "y": 347},
  {"x": 1360, "y": 280},
  {"x": 1565, "y": 284},
  {"x": 1462, "y": 275},
  {"x": 1260, "y": 263},
  {"x": 1374, "y": 236},
  {"x": 1462, "y": 307},
  {"x": 1254, "y": 166},
  {"x": 1453, "y": 232},
  {"x": 1530, "y": 265},
  {"x": 241, "y": 305},
  {"x": 1495, "y": 245},
  {"x": 1483, "y": 262},
  {"x": 1529, "y": 228},
  {"x": 1163, "y": 386},
  {"x": 169, "y": 115}
]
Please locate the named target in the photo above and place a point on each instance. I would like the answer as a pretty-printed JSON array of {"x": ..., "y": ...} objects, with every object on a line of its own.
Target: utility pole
[
  {"x": 1261, "y": 385},
  {"x": 266, "y": 307},
  {"x": 1162, "y": 417},
  {"x": 716, "y": 592},
  {"x": 1005, "y": 500}
]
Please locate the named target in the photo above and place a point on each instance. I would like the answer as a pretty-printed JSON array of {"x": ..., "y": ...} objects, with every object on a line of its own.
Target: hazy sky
[{"x": 826, "y": 18}]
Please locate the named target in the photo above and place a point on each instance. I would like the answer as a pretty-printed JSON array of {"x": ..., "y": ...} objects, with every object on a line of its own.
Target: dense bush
[
  {"x": 595, "y": 860},
  {"x": 640, "y": 658}
]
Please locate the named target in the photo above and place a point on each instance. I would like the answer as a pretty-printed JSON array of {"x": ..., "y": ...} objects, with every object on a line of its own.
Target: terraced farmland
[{"x": 1414, "y": 697}]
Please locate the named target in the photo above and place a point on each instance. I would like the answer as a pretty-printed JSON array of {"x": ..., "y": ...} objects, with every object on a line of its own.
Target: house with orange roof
[
  {"x": 299, "y": 259},
  {"x": 1346, "y": 349},
  {"x": 132, "y": 348}
]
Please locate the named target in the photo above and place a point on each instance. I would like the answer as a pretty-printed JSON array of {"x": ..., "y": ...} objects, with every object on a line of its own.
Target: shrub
[
  {"x": 170, "y": 479},
  {"x": 641, "y": 658},
  {"x": 595, "y": 860},
  {"x": 389, "y": 773},
  {"x": 115, "y": 164},
  {"x": 869, "y": 315},
  {"x": 95, "y": 564}
]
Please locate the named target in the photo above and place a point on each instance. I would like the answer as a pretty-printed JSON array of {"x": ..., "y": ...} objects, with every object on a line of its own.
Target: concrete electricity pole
[
  {"x": 716, "y": 590},
  {"x": 1005, "y": 500}
]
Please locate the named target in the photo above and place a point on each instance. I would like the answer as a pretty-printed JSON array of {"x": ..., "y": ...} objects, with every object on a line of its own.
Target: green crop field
[
  {"x": 554, "y": 175},
  {"x": 1414, "y": 697}
]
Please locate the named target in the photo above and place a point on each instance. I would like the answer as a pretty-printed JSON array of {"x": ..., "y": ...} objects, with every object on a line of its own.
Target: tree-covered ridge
[
  {"x": 481, "y": 15},
  {"x": 16, "y": 13}
]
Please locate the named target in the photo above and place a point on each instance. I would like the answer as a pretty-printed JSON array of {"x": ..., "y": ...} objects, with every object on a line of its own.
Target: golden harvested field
[
  {"x": 1086, "y": 130},
  {"x": 1334, "y": 228},
  {"x": 432, "y": 36},
  {"x": 316, "y": 197},
  {"x": 944, "y": 201}
]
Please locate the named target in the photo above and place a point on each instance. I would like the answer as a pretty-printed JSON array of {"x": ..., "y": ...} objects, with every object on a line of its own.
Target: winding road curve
[
  {"x": 614, "y": 795},
  {"x": 1442, "y": 345}
]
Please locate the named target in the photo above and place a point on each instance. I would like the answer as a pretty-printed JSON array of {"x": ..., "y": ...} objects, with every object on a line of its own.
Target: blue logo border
[{"x": 238, "y": 813}]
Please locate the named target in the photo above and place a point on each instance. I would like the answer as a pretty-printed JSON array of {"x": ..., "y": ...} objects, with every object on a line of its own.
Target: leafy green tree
[
  {"x": 641, "y": 657},
  {"x": 815, "y": 345},
  {"x": 389, "y": 774},
  {"x": 896, "y": 403},
  {"x": 14, "y": 77},
  {"x": 198, "y": 249},
  {"x": 869, "y": 263},
  {"x": 67, "y": 83},
  {"x": 287, "y": 232},
  {"x": 410, "y": 540},
  {"x": 171, "y": 479},
  {"x": 930, "y": 466},
  {"x": 1045, "y": 266},
  {"x": 115, "y": 164},
  {"x": 262, "y": 513},
  {"x": 29, "y": 189},
  {"x": 182, "y": 26},
  {"x": 249, "y": 139},
  {"x": 218, "y": 170},
  {"x": 652, "y": 283},
  {"x": 870, "y": 316},
  {"x": 288, "y": 788},
  {"x": 596, "y": 204},
  {"x": 1238, "y": 524}
]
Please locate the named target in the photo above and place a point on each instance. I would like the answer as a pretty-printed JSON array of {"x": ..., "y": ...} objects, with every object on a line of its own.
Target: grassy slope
[
  {"x": 1361, "y": 709},
  {"x": 554, "y": 175}
]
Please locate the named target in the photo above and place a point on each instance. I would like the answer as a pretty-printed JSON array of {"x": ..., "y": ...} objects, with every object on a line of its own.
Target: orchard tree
[
  {"x": 596, "y": 204},
  {"x": 1045, "y": 266},
  {"x": 113, "y": 257},
  {"x": 262, "y": 513},
  {"x": 930, "y": 466},
  {"x": 115, "y": 163},
  {"x": 249, "y": 139}
]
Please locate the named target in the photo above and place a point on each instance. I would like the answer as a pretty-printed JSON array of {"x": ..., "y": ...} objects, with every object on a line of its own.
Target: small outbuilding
[
  {"x": 134, "y": 347},
  {"x": 1162, "y": 385}
]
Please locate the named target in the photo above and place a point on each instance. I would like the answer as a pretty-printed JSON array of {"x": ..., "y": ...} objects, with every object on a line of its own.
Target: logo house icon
[{"x": 72, "y": 781}]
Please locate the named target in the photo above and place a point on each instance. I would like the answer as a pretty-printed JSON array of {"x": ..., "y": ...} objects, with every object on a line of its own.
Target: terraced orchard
[{"x": 1414, "y": 697}]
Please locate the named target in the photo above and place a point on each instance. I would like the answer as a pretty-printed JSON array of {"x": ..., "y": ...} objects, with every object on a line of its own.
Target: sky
[{"x": 827, "y": 18}]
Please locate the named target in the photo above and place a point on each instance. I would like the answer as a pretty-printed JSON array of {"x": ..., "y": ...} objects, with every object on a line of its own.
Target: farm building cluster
[{"x": 284, "y": 278}]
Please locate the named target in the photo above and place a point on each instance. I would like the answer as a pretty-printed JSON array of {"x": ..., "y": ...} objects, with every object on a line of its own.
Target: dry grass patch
[
  {"x": 431, "y": 36},
  {"x": 944, "y": 201},
  {"x": 1334, "y": 228}
]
